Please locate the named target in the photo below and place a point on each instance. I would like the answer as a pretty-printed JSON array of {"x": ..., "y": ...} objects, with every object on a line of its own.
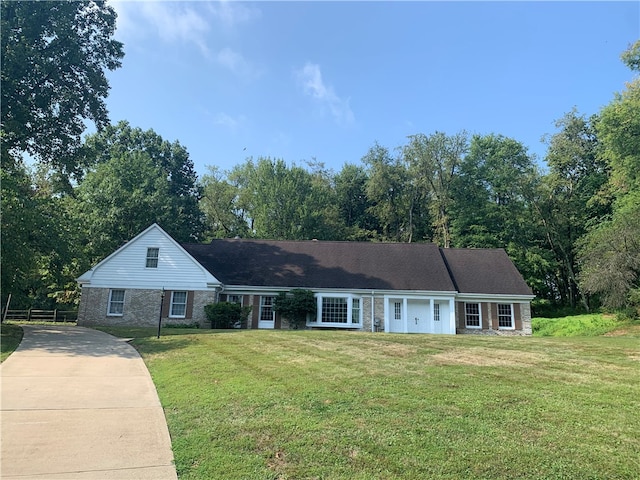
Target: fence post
[
  {"x": 55, "y": 315},
  {"x": 29, "y": 315}
]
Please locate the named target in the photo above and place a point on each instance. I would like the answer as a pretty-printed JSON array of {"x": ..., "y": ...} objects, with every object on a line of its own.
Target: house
[{"x": 390, "y": 287}]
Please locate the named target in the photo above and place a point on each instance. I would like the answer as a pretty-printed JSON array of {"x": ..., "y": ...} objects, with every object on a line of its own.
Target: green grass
[
  {"x": 11, "y": 335},
  {"x": 337, "y": 405},
  {"x": 588, "y": 325}
]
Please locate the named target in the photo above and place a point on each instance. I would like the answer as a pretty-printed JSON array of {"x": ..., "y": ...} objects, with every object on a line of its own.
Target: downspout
[{"x": 373, "y": 314}]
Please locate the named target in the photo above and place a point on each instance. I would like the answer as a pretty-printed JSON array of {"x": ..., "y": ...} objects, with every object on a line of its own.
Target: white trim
[
  {"x": 85, "y": 278},
  {"x": 172, "y": 303},
  {"x": 513, "y": 317},
  {"x": 478, "y": 327},
  {"x": 147, "y": 257},
  {"x": 349, "y": 302},
  {"x": 110, "y": 301}
]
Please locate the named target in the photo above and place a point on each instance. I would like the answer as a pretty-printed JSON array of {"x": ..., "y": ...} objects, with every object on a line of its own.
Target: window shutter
[
  {"x": 494, "y": 316},
  {"x": 517, "y": 316},
  {"x": 166, "y": 303},
  {"x": 484, "y": 307},
  {"x": 189, "y": 312},
  {"x": 461, "y": 314},
  {"x": 255, "y": 312}
]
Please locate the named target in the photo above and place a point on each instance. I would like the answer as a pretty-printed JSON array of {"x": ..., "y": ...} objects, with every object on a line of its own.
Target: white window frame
[
  {"x": 436, "y": 312},
  {"x": 512, "y": 316},
  {"x": 349, "y": 300},
  {"x": 232, "y": 298},
  {"x": 173, "y": 303},
  {"x": 397, "y": 310},
  {"x": 466, "y": 323},
  {"x": 112, "y": 302},
  {"x": 153, "y": 259},
  {"x": 263, "y": 305}
]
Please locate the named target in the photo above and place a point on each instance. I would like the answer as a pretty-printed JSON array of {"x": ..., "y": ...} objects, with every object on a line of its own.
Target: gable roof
[
  {"x": 87, "y": 277},
  {"x": 325, "y": 264},
  {"x": 484, "y": 271}
]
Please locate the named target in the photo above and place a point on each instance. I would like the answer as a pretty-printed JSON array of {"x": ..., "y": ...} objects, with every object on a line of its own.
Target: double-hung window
[
  {"x": 472, "y": 315},
  {"x": 266, "y": 309},
  {"x": 116, "y": 303},
  {"x": 505, "y": 316},
  {"x": 436, "y": 312},
  {"x": 235, "y": 299},
  {"x": 178, "y": 307},
  {"x": 355, "y": 310},
  {"x": 152, "y": 257}
]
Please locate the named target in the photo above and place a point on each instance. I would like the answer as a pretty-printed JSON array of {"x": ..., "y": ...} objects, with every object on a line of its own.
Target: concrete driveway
[{"x": 80, "y": 404}]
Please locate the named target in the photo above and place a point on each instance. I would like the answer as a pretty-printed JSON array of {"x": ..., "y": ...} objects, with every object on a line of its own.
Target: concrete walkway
[{"x": 80, "y": 404}]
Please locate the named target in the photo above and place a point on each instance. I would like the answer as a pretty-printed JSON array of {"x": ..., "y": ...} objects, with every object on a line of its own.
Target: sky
[{"x": 324, "y": 81}]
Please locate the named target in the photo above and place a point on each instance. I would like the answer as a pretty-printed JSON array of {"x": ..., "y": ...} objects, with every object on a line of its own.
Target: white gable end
[{"x": 127, "y": 266}]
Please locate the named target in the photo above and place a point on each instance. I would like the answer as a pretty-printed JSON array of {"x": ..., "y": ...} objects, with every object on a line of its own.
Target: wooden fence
[{"x": 32, "y": 315}]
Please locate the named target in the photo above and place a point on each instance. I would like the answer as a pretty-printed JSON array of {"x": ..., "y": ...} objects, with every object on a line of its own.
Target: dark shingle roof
[
  {"x": 484, "y": 270},
  {"x": 319, "y": 264},
  {"x": 359, "y": 265}
]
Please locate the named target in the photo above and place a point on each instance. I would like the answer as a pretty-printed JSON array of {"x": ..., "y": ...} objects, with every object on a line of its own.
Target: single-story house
[{"x": 390, "y": 287}]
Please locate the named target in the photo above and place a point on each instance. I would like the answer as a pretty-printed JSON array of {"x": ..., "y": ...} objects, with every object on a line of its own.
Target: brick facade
[
  {"x": 521, "y": 313},
  {"x": 141, "y": 308}
]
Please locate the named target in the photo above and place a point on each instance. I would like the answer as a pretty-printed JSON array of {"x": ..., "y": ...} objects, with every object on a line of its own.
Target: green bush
[
  {"x": 227, "y": 315},
  {"x": 295, "y": 306},
  {"x": 590, "y": 325}
]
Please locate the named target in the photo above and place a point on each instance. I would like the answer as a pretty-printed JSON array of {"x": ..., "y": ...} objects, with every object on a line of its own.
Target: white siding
[{"x": 126, "y": 268}]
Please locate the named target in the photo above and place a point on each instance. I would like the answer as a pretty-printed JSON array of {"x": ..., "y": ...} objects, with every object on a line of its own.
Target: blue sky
[{"x": 325, "y": 80}]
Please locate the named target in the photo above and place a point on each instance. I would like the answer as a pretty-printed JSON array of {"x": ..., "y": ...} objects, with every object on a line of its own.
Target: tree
[
  {"x": 172, "y": 158},
  {"x": 610, "y": 251},
  {"x": 567, "y": 204},
  {"x": 433, "y": 162},
  {"x": 352, "y": 202},
  {"x": 54, "y": 55},
  {"x": 386, "y": 191},
  {"x": 491, "y": 205},
  {"x": 119, "y": 199},
  {"x": 281, "y": 202},
  {"x": 295, "y": 306},
  {"x": 219, "y": 203}
]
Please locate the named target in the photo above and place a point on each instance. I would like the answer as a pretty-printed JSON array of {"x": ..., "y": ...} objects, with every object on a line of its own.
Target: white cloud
[
  {"x": 232, "y": 13},
  {"x": 236, "y": 63},
  {"x": 310, "y": 78},
  {"x": 228, "y": 121}
]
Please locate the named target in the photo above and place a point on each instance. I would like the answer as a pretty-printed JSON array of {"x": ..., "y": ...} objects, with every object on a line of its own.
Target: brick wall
[
  {"x": 522, "y": 315},
  {"x": 141, "y": 308}
]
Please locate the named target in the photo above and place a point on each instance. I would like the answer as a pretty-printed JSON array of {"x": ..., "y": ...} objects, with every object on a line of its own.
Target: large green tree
[
  {"x": 570, "y": 199},
  {"x": 433, "y": 161},
  {"x": 118, "y": 200},
  {"x": 121, "y": 140},
  {"x": 610, "y": 252},
  {"x": 54, "y": 55}
]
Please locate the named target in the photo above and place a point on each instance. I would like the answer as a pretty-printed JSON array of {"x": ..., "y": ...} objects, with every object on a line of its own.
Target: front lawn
[
  {"x": 10, "y": 338},
  {"x": 338, "y": 405}
]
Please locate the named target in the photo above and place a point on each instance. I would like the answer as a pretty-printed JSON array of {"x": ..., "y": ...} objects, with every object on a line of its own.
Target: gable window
[
  {"x": 116, "y": 303},
  {"x": 436, "y": 312},
  {"x": 334, "y": 310},
  {"x": 266, "y": 309},
  {"x": 178, "y": 307},
  {"x": 152, "y": 257},
  {"x": 397, "y": 310},
  {"x": 505, "y": 316},
  {"x": 472, "y": 315}
]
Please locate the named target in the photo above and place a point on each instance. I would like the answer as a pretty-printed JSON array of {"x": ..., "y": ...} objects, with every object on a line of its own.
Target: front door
[
  {"x": 418, "y": 316},
  {"x": 266, "y": 314}
]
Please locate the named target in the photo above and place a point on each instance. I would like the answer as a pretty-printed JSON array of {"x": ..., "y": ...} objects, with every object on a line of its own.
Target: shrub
[
  {"x": 227, "y": 315},
  {"x": 295, "y": 306}
]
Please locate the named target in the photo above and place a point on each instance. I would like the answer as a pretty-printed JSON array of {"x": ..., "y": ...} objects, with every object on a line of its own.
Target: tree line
[{"x": 571, "y": 225}]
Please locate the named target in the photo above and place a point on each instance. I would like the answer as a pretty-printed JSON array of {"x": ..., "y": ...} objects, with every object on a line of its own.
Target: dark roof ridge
[{"x": 446, "y": 264}]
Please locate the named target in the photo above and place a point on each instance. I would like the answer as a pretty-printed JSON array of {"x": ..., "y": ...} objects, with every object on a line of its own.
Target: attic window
[{"x": 152, "y": 257}]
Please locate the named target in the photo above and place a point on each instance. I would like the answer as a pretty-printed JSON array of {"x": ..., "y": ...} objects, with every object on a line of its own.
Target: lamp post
[{"x": 161, "y": 308}]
